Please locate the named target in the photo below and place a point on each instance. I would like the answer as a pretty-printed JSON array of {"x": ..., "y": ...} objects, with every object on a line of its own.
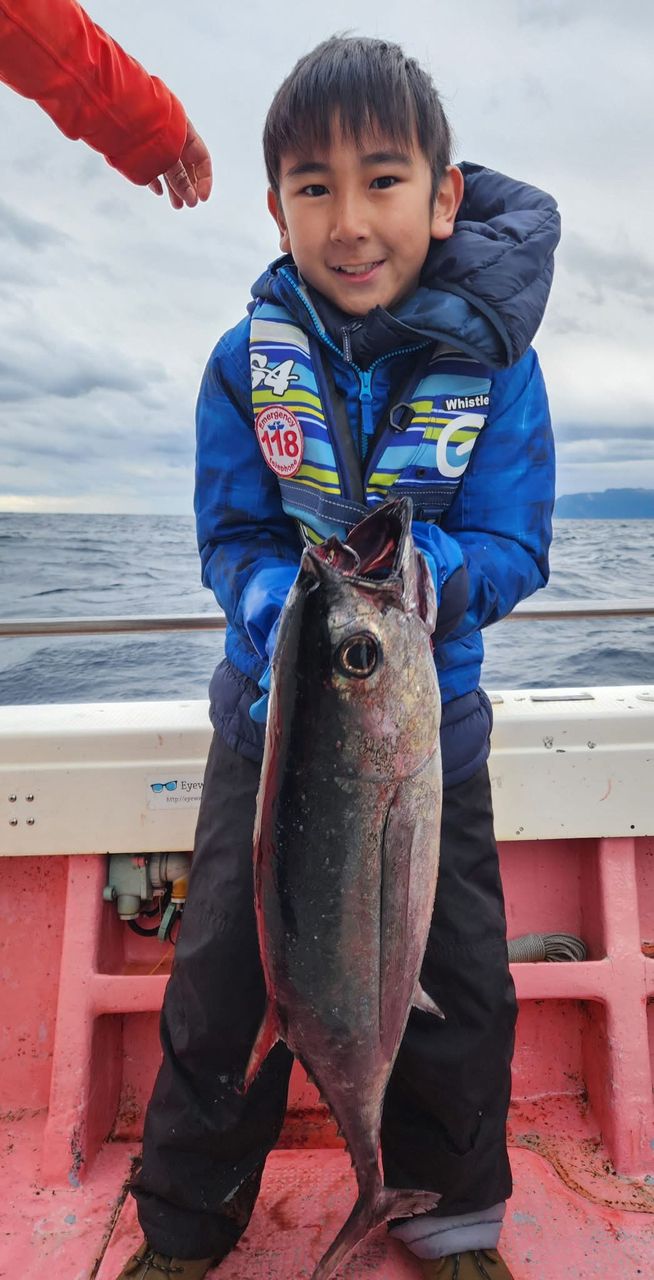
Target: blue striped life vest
[{"x": 422, "y": 450}]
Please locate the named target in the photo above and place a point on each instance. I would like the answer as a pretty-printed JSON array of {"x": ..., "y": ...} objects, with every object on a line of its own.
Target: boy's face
[{"x": 359, "y": 219}]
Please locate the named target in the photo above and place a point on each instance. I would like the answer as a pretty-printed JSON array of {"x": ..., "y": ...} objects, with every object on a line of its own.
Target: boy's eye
[
  {"x": 383, "y": 183},
  {"x": 314, "y": 189}
]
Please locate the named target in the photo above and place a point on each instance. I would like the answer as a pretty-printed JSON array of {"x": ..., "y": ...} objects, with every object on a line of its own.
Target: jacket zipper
[
  {"x": 367, "y": 421},
  {"x": 347, "y": 344},
  {"x": 367, "y": 426},
  {"x": 378, "y": 434}
]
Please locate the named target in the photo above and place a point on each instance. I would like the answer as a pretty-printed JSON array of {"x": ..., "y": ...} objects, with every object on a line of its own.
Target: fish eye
[{"x": 358, "y": 656}]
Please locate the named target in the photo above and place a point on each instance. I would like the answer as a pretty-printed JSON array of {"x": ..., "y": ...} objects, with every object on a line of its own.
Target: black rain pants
[{"x": 444, "y": 1122}]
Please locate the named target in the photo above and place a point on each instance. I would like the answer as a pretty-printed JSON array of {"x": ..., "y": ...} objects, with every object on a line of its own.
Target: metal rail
[
  {"x": 528, "y": 611},
  {"x": 549, "y": 610},
  {"x": 110, "y": 626}
]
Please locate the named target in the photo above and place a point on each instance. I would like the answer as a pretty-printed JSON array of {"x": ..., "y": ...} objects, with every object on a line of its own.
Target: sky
[{"x": 111, "y": 302}]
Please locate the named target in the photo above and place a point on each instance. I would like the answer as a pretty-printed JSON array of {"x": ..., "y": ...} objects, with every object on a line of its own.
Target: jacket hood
[{"x": 482, "y": 291}]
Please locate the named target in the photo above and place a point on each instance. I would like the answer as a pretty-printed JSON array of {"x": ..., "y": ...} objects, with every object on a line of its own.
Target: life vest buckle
[{"x": 401, "y": 416}]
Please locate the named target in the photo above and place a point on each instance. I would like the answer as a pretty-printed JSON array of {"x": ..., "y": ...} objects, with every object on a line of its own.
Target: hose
[
  {"x": 167, "y": 913},
  {"x": 558, "y": 947}
]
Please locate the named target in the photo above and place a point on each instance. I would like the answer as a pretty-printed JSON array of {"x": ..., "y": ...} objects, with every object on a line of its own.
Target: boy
[{"x": 385, "y": 353}]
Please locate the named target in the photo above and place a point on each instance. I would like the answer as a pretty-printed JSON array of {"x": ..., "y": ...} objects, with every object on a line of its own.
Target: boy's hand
[
  {"x": 190, "y": 178},
  {"x": 449, "y": 574},
  {"x": 259, "y": 709}
]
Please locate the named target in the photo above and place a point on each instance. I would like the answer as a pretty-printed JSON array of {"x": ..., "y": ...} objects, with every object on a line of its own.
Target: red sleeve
[{"x": 51, "y": 51}]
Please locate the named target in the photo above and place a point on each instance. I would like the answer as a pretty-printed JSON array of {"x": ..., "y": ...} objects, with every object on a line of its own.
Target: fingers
[
  {"x": 180, "y": 187},
  {"x": 195, "y": 153},
  {"x": 204, "y": 177},
  {"x": 190, "y": 179}
]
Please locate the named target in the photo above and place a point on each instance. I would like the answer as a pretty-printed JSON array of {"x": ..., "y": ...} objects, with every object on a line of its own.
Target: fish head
[{"x": 357, "y": 637}]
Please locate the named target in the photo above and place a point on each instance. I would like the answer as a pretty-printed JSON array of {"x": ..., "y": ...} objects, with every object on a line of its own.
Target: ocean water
[{"x": 57, "y": 566}]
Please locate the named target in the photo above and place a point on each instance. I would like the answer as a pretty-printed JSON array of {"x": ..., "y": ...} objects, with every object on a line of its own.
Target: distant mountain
[{"x": 612, "y": 504}]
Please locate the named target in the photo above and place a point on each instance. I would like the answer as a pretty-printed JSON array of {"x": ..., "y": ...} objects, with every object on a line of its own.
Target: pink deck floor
[
  {"x": 553, "y": 1231},
  {"x": 78, "y": 1050}
]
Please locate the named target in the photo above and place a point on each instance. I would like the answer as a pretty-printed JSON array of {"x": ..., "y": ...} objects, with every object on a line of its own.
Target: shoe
[
  {"x": 146, "y": 1262},
  {"x": 476, "y": 1264}
]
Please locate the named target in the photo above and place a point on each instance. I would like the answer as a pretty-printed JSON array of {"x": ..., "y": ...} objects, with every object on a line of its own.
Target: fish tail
[{"x": 375, "y": 1205}]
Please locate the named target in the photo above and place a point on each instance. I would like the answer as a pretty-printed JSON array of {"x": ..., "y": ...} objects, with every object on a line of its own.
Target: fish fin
[
  {"x": 370, "y": 1210},
  {"x": 422, "y": 1001},
  {"x": 267, "y": 1036}
]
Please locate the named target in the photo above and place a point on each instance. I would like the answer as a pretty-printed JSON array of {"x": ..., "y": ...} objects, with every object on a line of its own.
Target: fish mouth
[
  {"x": 379, "y": 539},
  {"x": 374, "y": 548},
  {"x": 379, "y": 555}
]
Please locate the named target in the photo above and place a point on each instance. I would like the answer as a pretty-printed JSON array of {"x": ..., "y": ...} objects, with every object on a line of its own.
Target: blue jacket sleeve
[
  {"x": 249, "y": 549},
  {"x": 499, "y": 526}
]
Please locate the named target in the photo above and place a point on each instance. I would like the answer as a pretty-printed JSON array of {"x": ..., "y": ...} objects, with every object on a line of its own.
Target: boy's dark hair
[{"x": 366, "y": 85}]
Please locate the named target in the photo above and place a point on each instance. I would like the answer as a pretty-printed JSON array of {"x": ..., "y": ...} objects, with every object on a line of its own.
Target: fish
[{"x": 347, "y": 835}]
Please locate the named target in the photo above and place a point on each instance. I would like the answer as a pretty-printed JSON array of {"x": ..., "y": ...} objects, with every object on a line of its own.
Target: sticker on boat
[{"x": 170, "y": 790}]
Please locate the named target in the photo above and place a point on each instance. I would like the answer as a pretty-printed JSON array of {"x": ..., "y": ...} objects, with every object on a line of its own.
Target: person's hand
[
  {"x": 190, "y": 178},
  {"x": 263, "y": 602},
  {"x": 259, "y": 709}
]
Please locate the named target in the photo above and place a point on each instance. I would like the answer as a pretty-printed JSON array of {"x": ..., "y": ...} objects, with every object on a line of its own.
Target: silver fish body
[{"x": 347, "y": 834}]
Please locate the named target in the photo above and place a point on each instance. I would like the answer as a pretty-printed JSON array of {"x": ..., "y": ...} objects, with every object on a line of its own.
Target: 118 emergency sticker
[{"x": 281, "y": 439}]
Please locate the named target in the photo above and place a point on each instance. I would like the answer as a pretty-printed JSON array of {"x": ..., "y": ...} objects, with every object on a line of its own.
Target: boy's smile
[{"x": 359, "y": 219}]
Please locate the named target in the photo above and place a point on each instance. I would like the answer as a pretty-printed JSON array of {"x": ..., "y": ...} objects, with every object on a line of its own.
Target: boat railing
[{"x": 527, "y": 611}]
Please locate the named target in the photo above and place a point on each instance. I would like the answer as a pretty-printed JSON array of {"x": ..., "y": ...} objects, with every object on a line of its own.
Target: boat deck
[
  {"x": 572, "y": 781},
  {"x": 559, "y": 1226}
]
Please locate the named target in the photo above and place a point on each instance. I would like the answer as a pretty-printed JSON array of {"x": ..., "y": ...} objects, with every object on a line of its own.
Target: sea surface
[{"x": 58, "y": 566}]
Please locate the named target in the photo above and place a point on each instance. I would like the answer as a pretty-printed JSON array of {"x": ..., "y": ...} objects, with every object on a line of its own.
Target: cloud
[
  {"x": 110, "y": 302},
  {"x": 100, "y": 455},
  {"x": 14, "y": 273},
  {"x": 617, "y": 430},
  {"x": 606, "y": 271},
  {"x": 595, "y": 475},
  {"x": 600, "y": 375},
  {"x": 85, "y": 375},
  {"x": 17, "y": 226},
  {"x": 623, "y": 450},
  {"x": 39, "y": 363},
  {"x": 36, "y": 502},
  {"x": 593, "y": 455},
  {"x": 563, "y": 322},
  {"x": 551, "y": 14}
]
